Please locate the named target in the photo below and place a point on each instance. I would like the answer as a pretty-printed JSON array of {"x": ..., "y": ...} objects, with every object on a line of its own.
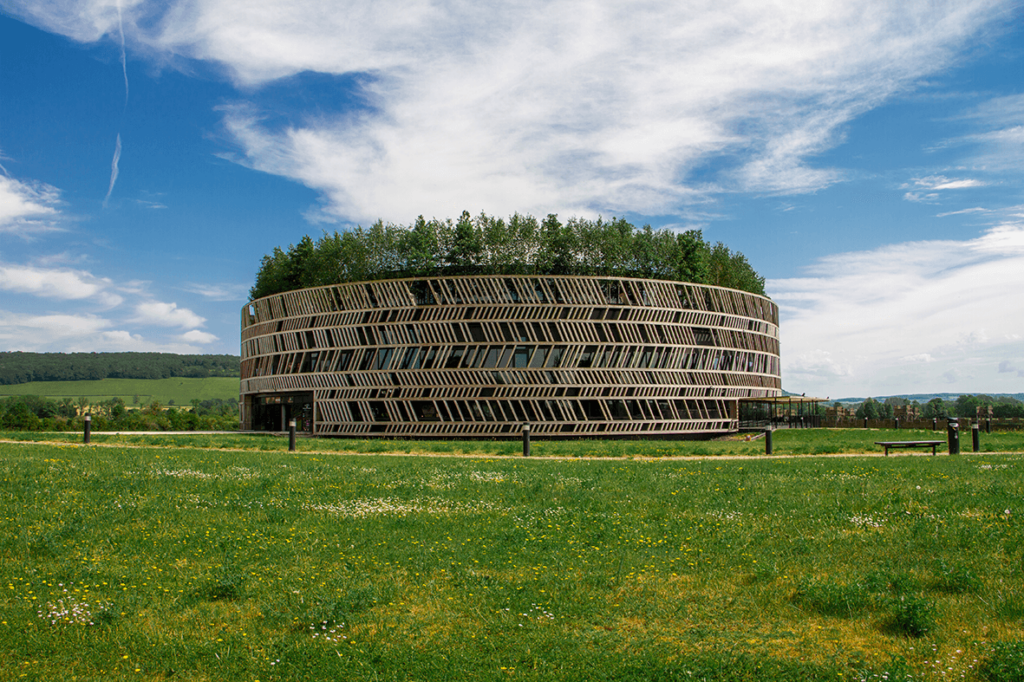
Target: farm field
[
  {"x": 182, "y": 390},
  {"x": 124, "y": 561}
]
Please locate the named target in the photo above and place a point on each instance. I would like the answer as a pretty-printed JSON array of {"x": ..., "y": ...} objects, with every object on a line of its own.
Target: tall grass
[{"x": 155, "y": 563}]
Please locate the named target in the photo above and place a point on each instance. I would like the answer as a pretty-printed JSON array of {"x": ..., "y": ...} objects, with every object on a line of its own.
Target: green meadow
[
  {"x": 122, "y": 560},
  {"x": 182, "y": 390}
]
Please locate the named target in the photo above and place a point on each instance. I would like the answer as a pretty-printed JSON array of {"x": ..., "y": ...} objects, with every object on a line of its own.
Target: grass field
[
  {"x": 129, "y": 562},
  {"x": 181, "y": 390}
]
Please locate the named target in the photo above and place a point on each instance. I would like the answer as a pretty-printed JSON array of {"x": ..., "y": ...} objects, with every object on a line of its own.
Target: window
[{"x": 455, "y": 357}]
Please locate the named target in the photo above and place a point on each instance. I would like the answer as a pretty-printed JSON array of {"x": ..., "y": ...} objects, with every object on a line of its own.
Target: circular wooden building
[{"x": 480, "y": 356}]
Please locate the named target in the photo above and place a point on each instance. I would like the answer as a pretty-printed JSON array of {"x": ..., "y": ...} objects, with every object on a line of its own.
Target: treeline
[
  {"x": 965, "y": 406},
  {"x": 20, "y": 368},
  {"x": 35, "y": 413},
  {"x": 487, "y": 245}
]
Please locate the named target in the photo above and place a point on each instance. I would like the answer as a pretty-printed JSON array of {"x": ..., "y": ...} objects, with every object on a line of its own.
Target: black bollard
[
  {"x": 526, "y": 440},
  {"x": 975, "y": 437},
  {"x": 865, "y": 422},
  {"x": 935, "y": 424},
  {"x": 953, "y": 436},
  {"x": 88, "y": 429},
  {"x": 988, "y": 425},
  {"x": 897, "y": 420},
  {"x": 291, "y": 436},
  {"x": 768, "y": 441}
]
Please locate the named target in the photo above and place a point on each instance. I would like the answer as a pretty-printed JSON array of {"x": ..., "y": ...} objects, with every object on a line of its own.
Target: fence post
[
  {"x": 88, "y": 429},
  {"x": 526, "y": 440},
  {"x": 291, "y": 435},
  {"x": 953, "y": 436}
]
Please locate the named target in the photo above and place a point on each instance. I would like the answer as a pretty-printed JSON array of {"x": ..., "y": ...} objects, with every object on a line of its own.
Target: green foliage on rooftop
[{"x": 519, "y": 245}]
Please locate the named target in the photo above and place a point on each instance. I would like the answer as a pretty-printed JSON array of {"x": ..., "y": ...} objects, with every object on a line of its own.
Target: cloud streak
[{"x": 113, "y": 169}]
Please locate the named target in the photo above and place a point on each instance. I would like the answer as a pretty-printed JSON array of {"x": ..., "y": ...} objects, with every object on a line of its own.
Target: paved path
[{"x": 636, "y": 458}]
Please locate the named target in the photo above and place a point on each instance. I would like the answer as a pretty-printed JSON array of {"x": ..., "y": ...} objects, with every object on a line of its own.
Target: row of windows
[
  {"x": 520, "y": 391},
  {"x": 519, "y": 383},
  {"x": 387, "y": 358},
  {"x": 511, "y": 313},
  {"x": 521, "y": 410},
  {"x": 464, "y": 291},
  {"x": 617, "y": 429},
  {"x": 508, "y": 332}
]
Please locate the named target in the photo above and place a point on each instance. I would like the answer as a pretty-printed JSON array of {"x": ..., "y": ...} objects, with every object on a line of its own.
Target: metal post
[
  {"x": 935, "y": 424},
  {"x": 953, "y": 436},
  {"x": 897, "y": 420},
  {"x": 768, "y": 441},
  {"x": 865, "y": 422},
  {"x": 988, "y": 425},
  {"x": 526, "y": 440},
  {"x": 88, "y": 429},
  {"x": 291, "y": 435},
  {"x": 975, "y": 437}
]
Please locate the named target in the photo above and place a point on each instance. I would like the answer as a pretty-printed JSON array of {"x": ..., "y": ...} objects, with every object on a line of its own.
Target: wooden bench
[{"x": 909, "y": 444}]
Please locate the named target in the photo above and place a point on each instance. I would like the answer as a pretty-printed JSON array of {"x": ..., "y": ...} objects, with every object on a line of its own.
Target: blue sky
[{"x": 864, "y": 155}]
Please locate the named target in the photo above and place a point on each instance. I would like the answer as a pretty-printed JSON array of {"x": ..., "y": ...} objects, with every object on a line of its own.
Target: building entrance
[{"x": 273, "y": 412}]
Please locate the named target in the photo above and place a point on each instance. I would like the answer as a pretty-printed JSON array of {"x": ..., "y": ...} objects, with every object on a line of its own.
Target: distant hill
[
  {"x": 21, "y": 368},
  {"x": 925, "y": 397}
]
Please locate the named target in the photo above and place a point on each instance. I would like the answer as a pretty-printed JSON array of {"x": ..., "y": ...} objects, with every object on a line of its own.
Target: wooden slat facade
[{"x": 479, "y": 356}]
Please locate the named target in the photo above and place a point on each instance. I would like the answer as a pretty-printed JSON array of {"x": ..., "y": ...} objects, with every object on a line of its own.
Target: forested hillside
[
  {"x": 19, "y": 368},
  {"x": 487, "y": 245}
]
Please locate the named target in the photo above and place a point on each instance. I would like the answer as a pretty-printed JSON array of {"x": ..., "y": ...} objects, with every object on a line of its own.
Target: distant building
[
  {"x": 840, "y": 412},
  {"x": 479, "y": 356},
  {"x": 906, "y": 412}
]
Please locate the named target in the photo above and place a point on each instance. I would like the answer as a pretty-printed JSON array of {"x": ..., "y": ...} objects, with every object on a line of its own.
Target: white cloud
[
  {"x": 52, "y": 326},
  {"x": 926, "y": 190},
  {"x": 906, "y": 318},
  {"x": 965, "y": 211},
  {"x": 220, "y": 292},
  {"x": 27, "y": 208},
  {"x": 996, "y": 135},
  {"x": 920, "y": 357},
  {"x": 816, "y": 363},
  {"x": 166, "y": 315},
  {"x": 575, "y": 106},
  {"x": 196, "y": 336},
  {"x": 58, "y": 283},
  {"x": 124, "y": 340},
  {"x": 937, "y": 182},
  {"x": 70, "y": 333}
]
